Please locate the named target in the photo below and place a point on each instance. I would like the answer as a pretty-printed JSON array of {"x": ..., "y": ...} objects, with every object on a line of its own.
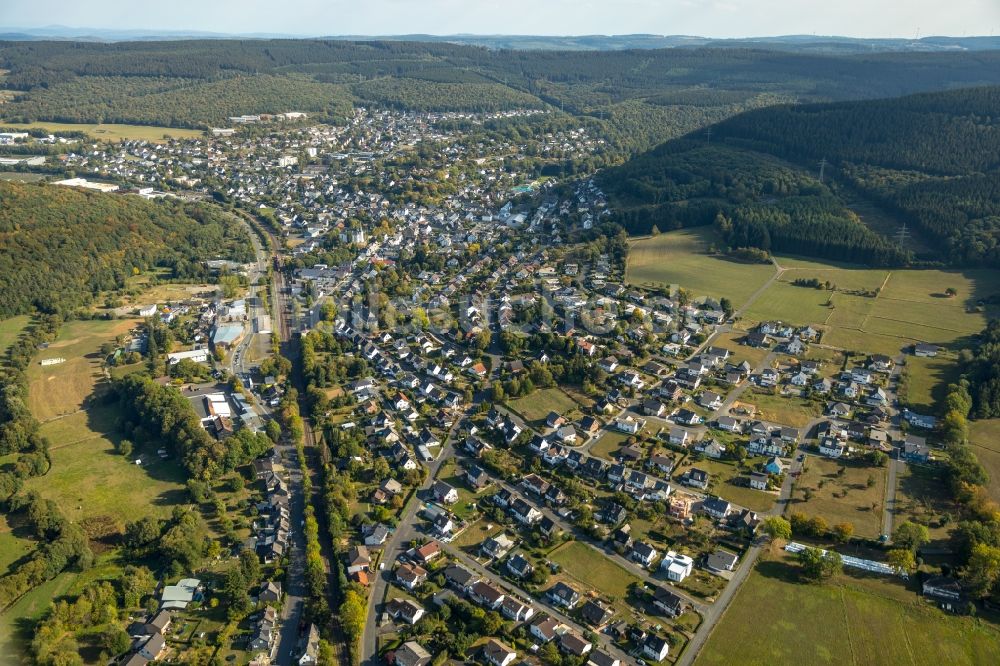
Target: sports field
[
  {"x": 57, "y": 390},
  {"x": 110, "y": 131},
  {"x": 680, "y": 258},
  {"x": 776, "y": 620}
]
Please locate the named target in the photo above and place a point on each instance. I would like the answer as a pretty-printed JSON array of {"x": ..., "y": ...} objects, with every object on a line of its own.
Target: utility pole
[{"x": 822, "y": 168}]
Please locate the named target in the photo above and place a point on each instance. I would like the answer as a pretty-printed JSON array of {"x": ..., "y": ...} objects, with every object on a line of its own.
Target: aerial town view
[{"x": 515, "y": 334}]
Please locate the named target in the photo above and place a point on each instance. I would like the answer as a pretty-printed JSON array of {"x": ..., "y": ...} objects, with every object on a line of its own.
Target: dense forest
[
  {"x": 929, "y": 161},
  {"x": 60, "y": 247},
  {"x": 640, "y": 96}
]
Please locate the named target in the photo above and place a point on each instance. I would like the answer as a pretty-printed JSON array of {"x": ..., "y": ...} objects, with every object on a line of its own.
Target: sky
[{"x": 710, "y": 18}]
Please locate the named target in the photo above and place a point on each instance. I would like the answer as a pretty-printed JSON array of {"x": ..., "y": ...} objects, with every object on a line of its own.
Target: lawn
[
  {"x": 56, "y": 390},
  {"x": 593, "y": 570},
  {"x": 680, "y": 258},
  {"x": 92, "y": 483},
  {"x": 12, "y": 547},
  {"x": 786, "y": 410},
  {"x": 740, "y": 352},
  {"x": 922, "y": 497},
  {"x": 838, "y": 499},
  {"x": 111, "y": 132},
  {"x": 928, "y": 381},
  {"x": 724, "y": 482},
  {"x": 788, "y": 303},
  {"x": 10, "y": 329},
  {"x": 775, "y": 620},
  {"x": 536, "y": 406},
  {"x": 985, "y": 438},
  {"x": 608, "y": 444}
]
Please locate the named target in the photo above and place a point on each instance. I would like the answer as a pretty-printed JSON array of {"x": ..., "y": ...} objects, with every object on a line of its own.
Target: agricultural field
[
  {"x": 922, "y": 497},
  {"x": 985, "y": 438},
  {"x": 911, "y": 305},
  {"x": 786, "y": 410},
  {"x": 21, "y": 177},
  {"x": 725, "y": 481},
  {"x": 928, "y": 381},
  {"x": 536, "y": 406},
  {"x": 10, "y": 329},
  {"x": 61, "y": 389},
  {"x": 822, "y": 490},
  {"x": 775, "y": 619},
  {"x": 111, "y": 132},
  {"x": 681, "y": 258}
]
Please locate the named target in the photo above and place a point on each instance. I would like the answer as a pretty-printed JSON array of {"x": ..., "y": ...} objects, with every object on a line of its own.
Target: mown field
[
  {"x": 593, "y": 569},
  {"x": 841, "y": 498},
  {"x": 10, "y": 329},
  {"x": 111, "y": 132},
  {"x": 776, "y": 620},
  {"x": 680, "y": 258},
  {"x": 536, "y": 406},
  {"x": 786, "y": 410},
  {"x": 61, "y": 389}
]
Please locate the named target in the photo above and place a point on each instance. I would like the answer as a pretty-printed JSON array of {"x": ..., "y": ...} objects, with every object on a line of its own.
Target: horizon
[{"x": 709, "y": 19}]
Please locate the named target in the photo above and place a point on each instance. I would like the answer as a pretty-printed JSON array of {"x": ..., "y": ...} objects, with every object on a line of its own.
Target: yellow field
[
  {"x": 111, "y": 132},
  {"x": 680, "y": 257},
  {"x": 56, "y": 390}
]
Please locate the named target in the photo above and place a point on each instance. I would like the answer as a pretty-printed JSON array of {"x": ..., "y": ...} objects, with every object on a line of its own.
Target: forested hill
[
  {"x": 931, "y": 161},
  {"x": 60, "y": 247},
  {"x": 640, "y": 97}
]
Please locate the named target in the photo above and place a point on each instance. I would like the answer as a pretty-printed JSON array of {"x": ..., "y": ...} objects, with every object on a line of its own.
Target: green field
[
  {"x": 91, "y": 482},
  {"x": 724, "y": 482},
  {"x": 774, "y": 620},
  {"x": 910, "y": 306},
  {"x": 10, "y": 329},
  {"x": 61, "y": 389},
  {"x": 680, "y": 257},
  {"x": 608, "y": 444},
  {"x": 820, "y": 477},
  {"x": 985, "y": 438},
  {"x": 928, "y": 381},
  {"x": 786, "y": 410},
  {"x": 111, "y": 132},
  {"x": 922, "y": 496},
  {"x": 593, "y": 570},
  {"x": 536, "y": 406}
]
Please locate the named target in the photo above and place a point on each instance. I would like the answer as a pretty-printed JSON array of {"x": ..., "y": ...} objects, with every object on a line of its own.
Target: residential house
[
  {"x": 496, "y": 653},
  {"x": 411, "y": 576},
  {"x": 411, "y": 653},
  {"x": 716, "y": 507},
  {"x": 487, "y": 595},
  {"x": 444, "y": 493},
  {"x": 574, "y": 644},
  {"x": 406, "y": 610},
  {"x": 643, "y": 553},
  {"x": 596, "y": 614},
  {"x": 655, "y": 648},
  {"x": 563, "y": 595},
  {"x": 721, "y": 560},
  {"x": 544, "y": 628},
  {"x": 677, "y": 567},
  {"x": 667, "y": 602},
  {"x": 758, "y": 481},
  {"x": 696, "y": 478}
]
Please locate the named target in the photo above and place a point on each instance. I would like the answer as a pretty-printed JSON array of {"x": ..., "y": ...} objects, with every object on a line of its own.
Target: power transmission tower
[
  {"x": 708, "y": 135},
  {"x": 822, "y": 168},
  {"x": 902, "y": 235}
]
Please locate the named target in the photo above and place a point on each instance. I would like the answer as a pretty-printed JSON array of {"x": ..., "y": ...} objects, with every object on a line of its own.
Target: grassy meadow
[
  {"x": 58, "y": 390},
  {"x": 851, "y": 621},
  {"x": 841, "y": 498},
  {"x": 110, "y": 131},
  {"x": 681, "y": 258}
]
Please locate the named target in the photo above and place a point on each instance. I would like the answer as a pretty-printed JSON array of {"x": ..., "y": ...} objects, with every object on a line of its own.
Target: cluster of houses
[{"x": 272, "y": 526}]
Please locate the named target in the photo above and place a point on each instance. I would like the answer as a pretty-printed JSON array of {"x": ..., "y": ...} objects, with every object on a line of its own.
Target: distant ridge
[{"x": 800, "y": 43}]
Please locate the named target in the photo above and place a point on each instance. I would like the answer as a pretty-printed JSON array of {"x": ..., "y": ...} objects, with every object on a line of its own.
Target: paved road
[
  {"x": 397, "y": 545},
  {"x": 890, "y": 496}
]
